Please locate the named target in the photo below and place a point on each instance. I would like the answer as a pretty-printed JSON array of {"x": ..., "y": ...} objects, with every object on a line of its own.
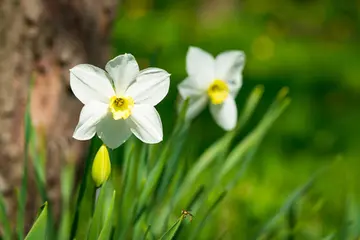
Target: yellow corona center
[
  {"x": 120, "y": 107},
  {"x": 218, "y": 91}
]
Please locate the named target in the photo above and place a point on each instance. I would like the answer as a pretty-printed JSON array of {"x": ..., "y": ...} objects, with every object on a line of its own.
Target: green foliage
[
  {"x": 22, "y": 194},
  {"x": 39, "y": 229},
  {"x": 4, "y": 220},
  {"x": 311, "y": 47},
  {"x": 67, "y": 185},
  {"x": 239, "y": 185},
  {"x": 156, "y": 185},
  {"x": 170, "y": 234},
  {"x": 287, "y": 208},
  {"x": 108, "y": 224}
]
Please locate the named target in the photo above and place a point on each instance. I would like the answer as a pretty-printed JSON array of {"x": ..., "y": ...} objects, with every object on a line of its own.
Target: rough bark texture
[{"x": 45, "y": 38}]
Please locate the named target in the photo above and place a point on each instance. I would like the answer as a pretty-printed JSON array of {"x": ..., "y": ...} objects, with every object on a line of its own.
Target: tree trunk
[{"x": 44, "y": 39}]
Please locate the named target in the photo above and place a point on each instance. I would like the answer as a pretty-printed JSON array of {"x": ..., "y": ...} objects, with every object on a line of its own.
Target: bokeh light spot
[{"x": 263, "y": 48}]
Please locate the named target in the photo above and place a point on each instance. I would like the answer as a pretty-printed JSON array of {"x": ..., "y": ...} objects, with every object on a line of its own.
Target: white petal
[
  {"x": 188, "y": 88},
  {"x": 225, "y": 114},
  {"x": 145, "y": 123},
  {"x": 123, "y": 70},
  {"x": 196, "y": 105},
  {"x": 200, "y": 66},
  {"x": 150, "y": 87},
  {"x": 228, "y": 67},
  {"x": 90, "y": 115},
  {"x": 113, "y": 132},
  {"x": 90, "y": 83},
  {"x": 197, "y": 97}
]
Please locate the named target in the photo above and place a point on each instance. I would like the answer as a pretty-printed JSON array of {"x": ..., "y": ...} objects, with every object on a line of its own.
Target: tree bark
[{"x": 44, "y": 39}]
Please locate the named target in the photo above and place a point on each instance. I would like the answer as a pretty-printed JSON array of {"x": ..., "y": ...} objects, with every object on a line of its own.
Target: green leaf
[
  {"x": 172, "y": 163},
  {"x": 39, "y": 162},
  {"x": 329, "y": 237},
  {"x": 154, "y": 177},
  {"x": 67, "y": 183},
  {"x": 146, "y": 232},
  {"x": 351, "y": 223},
  {"x": 176, "y": 142},
  {"x": 4, "y": 220},
  {"x": 169, "y": 234},
  {"x": 298, "y": 193},
  {"x": 37, "y": 153},
  {"x": 106, "y": 230},
  {"x": 39, "y": 230},
  {"x": 142, "y": 167},
  {"x": 101, "y": 208},
  {"x": 125, "y": 190},
  {"x": 131, "y": 178},
  {"x": 208, "y": 212},
  {"x": 23, "y": 188},
  {"x": 250, "y": 106},
  {"x": 85, "y": 201},
  {"x": 254, "y": 138},
  {"x": 130, "y": 191}
]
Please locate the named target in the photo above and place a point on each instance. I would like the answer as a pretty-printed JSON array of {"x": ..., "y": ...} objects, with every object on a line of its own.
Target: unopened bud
[{"x": 101, "y": 167}]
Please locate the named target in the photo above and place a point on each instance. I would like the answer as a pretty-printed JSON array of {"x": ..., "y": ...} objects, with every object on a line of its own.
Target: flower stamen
[
  {"x": 218, "y": 91},
  {"x": 121, "y": 107}
]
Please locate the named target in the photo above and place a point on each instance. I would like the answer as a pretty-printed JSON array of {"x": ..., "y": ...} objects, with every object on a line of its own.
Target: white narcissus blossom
[
  {"x": 213, "y": 80},
  {"x": 120, "y": 101}
]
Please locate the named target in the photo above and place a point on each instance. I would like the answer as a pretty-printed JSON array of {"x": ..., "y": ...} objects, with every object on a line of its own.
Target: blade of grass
[
  {"x": 161, "y": 200},
  {"x": 155, "y": 174},
  {"x": 39, "y": 229},
  {"x": 351, "y": 224},
  {"x": 4, "y": 220},
  {"x": 173, "y": 229},
  {"x": 130, "y": 191},
  {"x": 329, "y": 237},
  {"x": 85, "y": 201},
  {"x": 134, "y": 215},
  {"x": 172, "y": 163},
  {"x": 106, "y": 230},
  {"x": 98, "y": 217},
  {"x": 37, "y": 153},
  {"x": 38, "y": 161},
  {"x": 291, "y": 219},
  {"x": 23, "y": 188},
  {"x": 168, "y": 151},
  {"x": 122, "y": 198},
  {"x": 195, "y": 200},
  {"x": 299, "y": 192},
  {"x": 215, "y": 195},
  {"x": 142, "y": 168},
  {"x": 130, "y": 186},
  {"x": 255, "y": 137},
  {"x": 120, "y": 175},
  {"x": 154, "y": 177},
  {"x": 205, "y": 216},
  {"x": 67, "y": 182},
  {"x": 147, "y": 232}
]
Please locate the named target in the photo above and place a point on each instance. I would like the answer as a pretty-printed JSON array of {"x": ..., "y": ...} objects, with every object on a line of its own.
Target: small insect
[{"x": 187, "y": 213}]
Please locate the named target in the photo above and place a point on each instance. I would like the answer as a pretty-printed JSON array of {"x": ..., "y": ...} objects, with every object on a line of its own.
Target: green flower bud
[{"x": 101, "y": 167}]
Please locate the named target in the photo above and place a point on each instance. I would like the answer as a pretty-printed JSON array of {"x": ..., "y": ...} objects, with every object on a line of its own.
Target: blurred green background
[{"x": 310, "y": 46}]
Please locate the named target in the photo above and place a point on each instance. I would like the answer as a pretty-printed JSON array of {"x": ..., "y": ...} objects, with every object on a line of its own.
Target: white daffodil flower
[
  {"x": 213, "y": 80},
  {"x": 119, "y": 101}
]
